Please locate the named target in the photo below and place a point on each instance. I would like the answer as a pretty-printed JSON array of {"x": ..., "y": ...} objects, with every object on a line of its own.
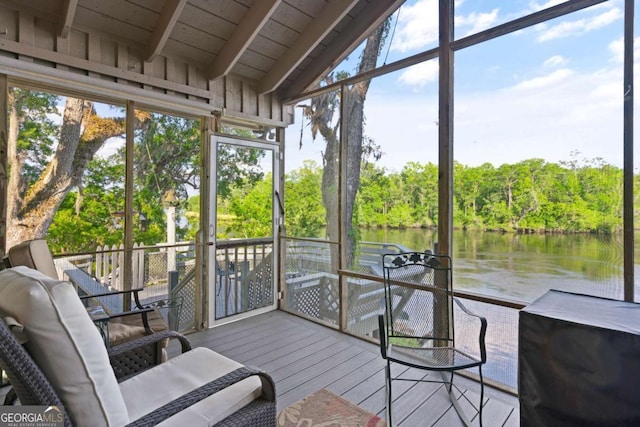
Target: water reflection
[{"x": 522, "y": 267}]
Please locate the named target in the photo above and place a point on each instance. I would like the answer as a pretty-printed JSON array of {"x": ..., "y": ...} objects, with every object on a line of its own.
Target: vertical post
[
  {"x": 127, "y": 270},
  {"x": 282, "y": 231},
  {"x": 445, "y": 129},
  {"x": 4, "y": 153},
  {"x": 628, "y": 240},
  {"x": 207, "y": 272},
  {"x": 170, "y": 211},
  {"x": 342, "y": 191},
  {"x": 443, "y": 325}
]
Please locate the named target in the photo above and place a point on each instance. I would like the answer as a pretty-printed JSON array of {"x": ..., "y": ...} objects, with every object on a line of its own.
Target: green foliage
[
  {"x": 100, "y": 220},
  {"x": 531, "y": 196},
  {"x": 534, "y": 195},
  {"x": 192, "y": 214},
  {"x": 167, "y": 155},
  {"x": 305, "y": 213},
  {"x": 37, "y": 132},
  {"x": 420, "y": 183},
  {"x": 251, "y": 206},
  {"x": 372, "y": 199},
  {"x": 241, "y": 166}
]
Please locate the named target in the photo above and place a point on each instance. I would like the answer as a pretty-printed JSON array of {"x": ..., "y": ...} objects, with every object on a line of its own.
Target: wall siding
[{"x": 98, "y": 56}]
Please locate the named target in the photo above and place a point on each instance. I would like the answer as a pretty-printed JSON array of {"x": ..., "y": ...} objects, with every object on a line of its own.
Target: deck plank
[
  {"x": 324, "y": 379},
  {"x": 357, "y": 376},
  {"x": 304, "y": 357}
]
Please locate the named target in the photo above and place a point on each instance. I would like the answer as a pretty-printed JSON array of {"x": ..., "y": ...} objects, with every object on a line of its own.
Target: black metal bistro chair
[{"x": 416, "y": 329}]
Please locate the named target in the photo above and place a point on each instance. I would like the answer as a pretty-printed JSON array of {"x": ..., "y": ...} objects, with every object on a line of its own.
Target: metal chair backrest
[{"x": 418, "y": 299}]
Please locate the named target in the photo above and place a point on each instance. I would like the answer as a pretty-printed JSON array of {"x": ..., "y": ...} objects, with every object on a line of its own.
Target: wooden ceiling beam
[
  {"x": 66, "y": 20},
  {"x": 306, "y": 42},
  {"x": 248, "y": 28},
  {"x": 167, "y": 20},
  {"x": 369, "y": 19}
]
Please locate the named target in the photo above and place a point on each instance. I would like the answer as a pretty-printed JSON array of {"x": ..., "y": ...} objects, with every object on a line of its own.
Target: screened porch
[{"x": 225, "y": 163}]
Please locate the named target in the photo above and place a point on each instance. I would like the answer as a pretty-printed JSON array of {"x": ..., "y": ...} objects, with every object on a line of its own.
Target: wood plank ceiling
[{"x": 277, "y": 45}]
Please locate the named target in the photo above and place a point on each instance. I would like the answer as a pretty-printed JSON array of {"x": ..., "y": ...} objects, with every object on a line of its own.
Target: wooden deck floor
[{"x": 304, "y": 357}]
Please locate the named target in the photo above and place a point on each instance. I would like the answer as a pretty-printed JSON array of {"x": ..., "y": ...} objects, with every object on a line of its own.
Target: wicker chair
[
  {"x": 63, "y": 364},
  {"x": 123, "y": 326}
]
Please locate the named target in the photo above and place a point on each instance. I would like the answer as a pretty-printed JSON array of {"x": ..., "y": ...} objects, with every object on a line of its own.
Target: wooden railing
[{"x": 102, "y": 271}]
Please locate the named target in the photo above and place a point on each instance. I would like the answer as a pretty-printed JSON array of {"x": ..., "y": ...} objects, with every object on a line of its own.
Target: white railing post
[
  {"x": 99, "y": 263},
  {"x": 105, "y": 265},
  {"x": 113, "y": 268},
  {"x": 134, "y": 266},
  {"x": 120, "y": 268},
  {"x": 141, "y": 256}
]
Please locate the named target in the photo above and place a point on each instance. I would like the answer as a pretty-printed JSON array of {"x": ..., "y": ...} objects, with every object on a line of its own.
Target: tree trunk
[
  {"x": 16, "y": 187},
  {"x": 331, "y": 193},
  {"x": 33, "y": 216},
  {"x": 320, "y": 114},
  {"x": 82, "y": 134},
  {"x": 354, "y": 109}
]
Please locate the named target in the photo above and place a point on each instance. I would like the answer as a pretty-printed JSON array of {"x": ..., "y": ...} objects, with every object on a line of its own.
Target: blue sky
[{"x": 546, "y": 91}]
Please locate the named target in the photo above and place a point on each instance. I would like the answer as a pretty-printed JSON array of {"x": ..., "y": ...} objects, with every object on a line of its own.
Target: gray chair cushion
[{"x": 65, "y": 344}]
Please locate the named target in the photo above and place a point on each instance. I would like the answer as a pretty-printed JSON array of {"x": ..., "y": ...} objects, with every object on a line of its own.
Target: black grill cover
[{"x": 579, "y": 362}]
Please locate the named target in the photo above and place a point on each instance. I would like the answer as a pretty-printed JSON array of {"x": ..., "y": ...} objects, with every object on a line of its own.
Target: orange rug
[{"x": 326, "y": 409}]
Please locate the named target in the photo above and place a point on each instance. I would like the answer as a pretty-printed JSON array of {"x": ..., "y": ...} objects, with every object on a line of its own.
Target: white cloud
[
  {"x": 616, "y": 48},
  {"x": 420, "y": 74},
  {"x": 535, "y": 6},
  {"x": 555, "y": 61},
  {"x": 543, "y": 81},
  {"x": 505, "y": 126},
  {"x": 580, "y": 26},
  {"x": 563, "y": 108},
  {"x": 583, "y": 112},
  {"x": 417, "y": 26},
  {"x": 476, "y": 22}
]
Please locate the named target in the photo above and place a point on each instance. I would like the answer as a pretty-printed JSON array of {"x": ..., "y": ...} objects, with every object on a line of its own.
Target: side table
[{"x": 101, "y": 320}]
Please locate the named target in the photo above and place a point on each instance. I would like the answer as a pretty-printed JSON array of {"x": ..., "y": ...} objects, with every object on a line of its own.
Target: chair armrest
[
  {"x": 132, "y": 312},
  {"x": 108, "y": 294},
  {"x": 135, "y": 356},
  {"x": 195, "y": 396},
  {"x": 150, "y": 339},
  {"x": 141, "y": 312},
  {"x": 483, "y": 329}
]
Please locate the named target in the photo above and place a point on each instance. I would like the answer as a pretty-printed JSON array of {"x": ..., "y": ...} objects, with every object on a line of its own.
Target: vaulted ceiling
[{"x": 278, "y": 45}]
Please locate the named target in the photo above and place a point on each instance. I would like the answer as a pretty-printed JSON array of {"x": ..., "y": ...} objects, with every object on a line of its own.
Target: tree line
[
  {"x": 529, "y": 196},
  {"x": 59, "y": 189}
]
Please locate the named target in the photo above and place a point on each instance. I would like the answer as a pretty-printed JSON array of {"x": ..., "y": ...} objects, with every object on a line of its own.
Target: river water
[{"x": 521, "y": 267}]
